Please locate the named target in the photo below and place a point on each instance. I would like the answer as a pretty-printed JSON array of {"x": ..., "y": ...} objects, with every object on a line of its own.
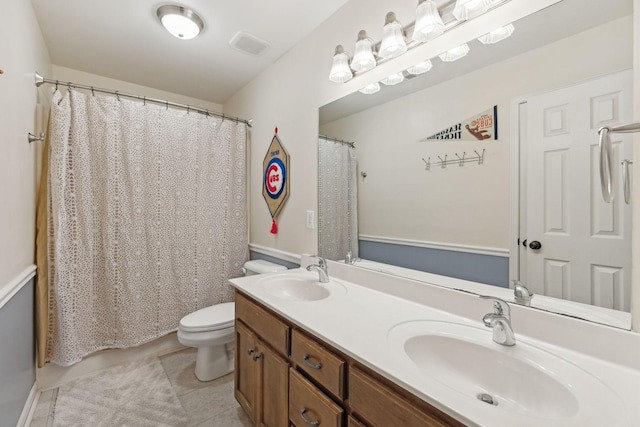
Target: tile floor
[{"x": 208, "y": 404}]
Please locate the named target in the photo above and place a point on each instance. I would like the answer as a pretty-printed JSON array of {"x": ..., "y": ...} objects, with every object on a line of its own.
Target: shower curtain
[
  {"x": 337, "y": 200},
  {"x": 146, "y": 221}
]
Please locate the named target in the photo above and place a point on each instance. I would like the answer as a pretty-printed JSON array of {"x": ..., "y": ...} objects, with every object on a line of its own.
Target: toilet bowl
[{"x": 211, "y": 330}]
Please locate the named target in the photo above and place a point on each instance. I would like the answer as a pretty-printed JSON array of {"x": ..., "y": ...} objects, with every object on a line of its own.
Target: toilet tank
[{"x": 261, "y": 266}]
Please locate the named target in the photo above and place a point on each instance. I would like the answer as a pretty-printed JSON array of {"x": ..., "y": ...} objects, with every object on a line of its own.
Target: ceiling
[{"x": 123, "y": 39}]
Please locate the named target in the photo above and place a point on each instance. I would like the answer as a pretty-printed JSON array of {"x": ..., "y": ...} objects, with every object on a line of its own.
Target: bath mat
[{"x": 136, "y": 394}]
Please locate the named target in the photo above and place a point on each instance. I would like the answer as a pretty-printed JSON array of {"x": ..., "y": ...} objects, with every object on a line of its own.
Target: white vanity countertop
[{"x": 357, "y": 322}]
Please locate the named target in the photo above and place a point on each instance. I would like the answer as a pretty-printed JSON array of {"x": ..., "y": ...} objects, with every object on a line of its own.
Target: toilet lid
[{"x": 219, "y": 316}]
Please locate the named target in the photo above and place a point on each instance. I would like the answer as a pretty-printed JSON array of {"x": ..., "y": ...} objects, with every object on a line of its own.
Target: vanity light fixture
[
  {"x": 468, "y": 9},
  {"x": 180, "y": 21},
  {"x": 393, "y": 79},
  {"x": 420, "y": 68},
  {"x": 393, "y": 43},
  {"x": 429, "y": 23},
  {"x": 371, "y": 89},
  {"x": 340, "y": 71},
  {"x": 455, "y": 53},
  {"x": 497, "y": 35},
  {"x": 363, "y": 59}
]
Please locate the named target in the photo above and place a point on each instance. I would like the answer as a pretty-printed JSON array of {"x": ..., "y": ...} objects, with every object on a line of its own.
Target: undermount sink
[
  {"x": 300, "y": 286},
  {"x": 523, "y": 380}
]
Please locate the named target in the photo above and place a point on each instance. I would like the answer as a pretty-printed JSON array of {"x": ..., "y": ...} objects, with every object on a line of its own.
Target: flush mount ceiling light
[
  {"x": 340, "y": 71},
  {"x": 497, "y": 35},
  {"x": 181, "y": 22},
  {"x": 428, "y": 21},
  {"x": 393, "y": 43},
  {"x": 455, "y": 53},
  {"x": 363, "y": 59}
]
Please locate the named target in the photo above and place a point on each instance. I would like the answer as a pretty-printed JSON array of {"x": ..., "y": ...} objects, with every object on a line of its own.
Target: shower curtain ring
[
  {"x": 188, "y": 108},
  {"x": 92, "y": 92},
  {"x": 56, "y": 84},
  {"x": 117, "y": 96},
  {"x": 167, "y": 102},
  {"x": 144, "y": 100}
]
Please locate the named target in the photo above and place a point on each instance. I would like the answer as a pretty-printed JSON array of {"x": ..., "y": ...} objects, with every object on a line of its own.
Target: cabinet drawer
[
  {"x": 308, "y": 405},
  {"x": 380, "y": 406},
  {"x": 271, "y": 329},
  {"x": 319, "y": 363}
]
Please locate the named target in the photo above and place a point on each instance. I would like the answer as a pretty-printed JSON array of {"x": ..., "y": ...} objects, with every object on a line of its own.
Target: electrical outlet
[{"x": 310, "y": 220}]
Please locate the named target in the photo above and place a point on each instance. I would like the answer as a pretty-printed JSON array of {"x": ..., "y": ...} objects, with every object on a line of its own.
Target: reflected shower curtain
[
  {"x": 147, "y": 219},
  {"x": 337, "y": 200}
]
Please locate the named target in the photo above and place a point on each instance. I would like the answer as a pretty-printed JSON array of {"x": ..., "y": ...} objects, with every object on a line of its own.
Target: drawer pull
[
  {"x": 305, "y": 359},
  {"x": 250, "y": 351},
  {"x": 306, "y": 420},
  {"x": 256, "y": 357}
]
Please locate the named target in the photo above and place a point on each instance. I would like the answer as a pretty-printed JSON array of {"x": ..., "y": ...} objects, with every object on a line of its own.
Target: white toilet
[{"x": 210, "y": 330}]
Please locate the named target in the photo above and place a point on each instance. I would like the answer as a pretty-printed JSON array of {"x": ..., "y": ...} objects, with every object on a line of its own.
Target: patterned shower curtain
[
  {"x": 337, "y": 200},
  {"x": 147, "y": 219}
]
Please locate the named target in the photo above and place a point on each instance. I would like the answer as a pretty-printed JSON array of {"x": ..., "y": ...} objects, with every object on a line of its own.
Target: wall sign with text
[{"x": 479, "y": 127}]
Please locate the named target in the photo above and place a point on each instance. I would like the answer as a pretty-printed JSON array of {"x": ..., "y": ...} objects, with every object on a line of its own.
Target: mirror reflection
[{"x": 530, "y": 207}]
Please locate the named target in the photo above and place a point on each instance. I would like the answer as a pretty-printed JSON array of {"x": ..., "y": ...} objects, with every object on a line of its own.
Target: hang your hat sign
[
  {"x": 479, "y": 127},
  {"x": 275, "y": 189}
]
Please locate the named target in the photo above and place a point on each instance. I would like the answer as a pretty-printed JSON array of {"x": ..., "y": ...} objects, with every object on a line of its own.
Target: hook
[
  {"x": 443, "y": 163},
  {"x": 480, "y": 156},
  {"x": 461, "y": 158},
  {"x": 363, "y": 175},
  {"x": 427, "y": 163}
]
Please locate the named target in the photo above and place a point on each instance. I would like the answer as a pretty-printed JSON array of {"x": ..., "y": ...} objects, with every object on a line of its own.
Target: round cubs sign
[{"x": 275, "y": 177}]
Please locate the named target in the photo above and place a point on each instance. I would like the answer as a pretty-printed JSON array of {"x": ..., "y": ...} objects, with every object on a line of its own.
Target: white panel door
[{"x": 585, "y": 243}]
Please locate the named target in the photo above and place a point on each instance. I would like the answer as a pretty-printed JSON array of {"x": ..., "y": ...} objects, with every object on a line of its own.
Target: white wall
[
  {"x": 80, "y": 77},
  {"x": 22, "y": 52},
  {"x": 289, "y": 93},
  {"x": 468, "y": 205}
]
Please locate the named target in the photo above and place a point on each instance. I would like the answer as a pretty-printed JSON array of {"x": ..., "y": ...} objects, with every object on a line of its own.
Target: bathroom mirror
[{"x": 414, "y": 214}]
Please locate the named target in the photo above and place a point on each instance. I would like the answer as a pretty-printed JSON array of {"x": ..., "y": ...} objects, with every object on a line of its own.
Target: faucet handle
[
  {"x": 522, "y": 294},
  {"x": 500, "y": 306},
  {"x": 321, "y": 261}
]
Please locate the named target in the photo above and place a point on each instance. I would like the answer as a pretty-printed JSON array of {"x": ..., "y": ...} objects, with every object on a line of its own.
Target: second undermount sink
[
  {"x": 300, "y": 286},
  {"x": 522, "y": 381}
]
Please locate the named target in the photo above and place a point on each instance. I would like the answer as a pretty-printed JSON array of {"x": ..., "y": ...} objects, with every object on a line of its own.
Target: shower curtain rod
[
  {"x": 329, "y": 138},
  {"x": 41, "y": 80}
]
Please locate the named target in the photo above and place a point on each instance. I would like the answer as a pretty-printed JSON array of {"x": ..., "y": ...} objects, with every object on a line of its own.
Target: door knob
[{"x": 535, "y": 245}]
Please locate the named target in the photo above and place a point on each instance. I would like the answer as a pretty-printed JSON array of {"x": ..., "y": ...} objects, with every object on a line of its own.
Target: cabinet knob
[
  {"x": 307, "y": 420},
  {"x": 256, "y": 357},
  {"x": 250, "y": 351}
]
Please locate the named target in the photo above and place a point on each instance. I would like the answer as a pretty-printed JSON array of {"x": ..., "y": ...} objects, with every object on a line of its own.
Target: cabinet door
[
  {"x": 274, "y": 388},
  {"x": 246, "y": 370}
]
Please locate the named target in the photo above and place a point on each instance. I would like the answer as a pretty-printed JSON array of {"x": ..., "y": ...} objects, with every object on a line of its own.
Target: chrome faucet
[
  {"x": 521, "y": 293},
  {"x": 349, "y": 258},
  {"x": 500, "y": 321},
  {"x": 321, "y": 268}
]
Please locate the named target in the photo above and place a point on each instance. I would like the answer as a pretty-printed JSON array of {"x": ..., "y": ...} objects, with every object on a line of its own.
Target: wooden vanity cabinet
[
  {"x": 313, "y": 381},
  {"x": 380, "y": 404},
  {"x": 261, "y": 371}
]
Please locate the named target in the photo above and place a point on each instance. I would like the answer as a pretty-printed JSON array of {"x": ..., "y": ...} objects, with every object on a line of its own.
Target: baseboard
[
  {"x": 29, "y": 407},
  {"x": 52, "y": 376}
]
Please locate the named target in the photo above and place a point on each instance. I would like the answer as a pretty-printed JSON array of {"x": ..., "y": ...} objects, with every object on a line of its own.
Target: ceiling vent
[{"x": 248, "y": 43}]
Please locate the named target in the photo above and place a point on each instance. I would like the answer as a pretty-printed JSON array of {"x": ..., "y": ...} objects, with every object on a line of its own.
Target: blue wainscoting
[
  {"x": 488, "y": 269},
  {"x": 17, "y": 354},
  {"x": 257, "y": 255}
]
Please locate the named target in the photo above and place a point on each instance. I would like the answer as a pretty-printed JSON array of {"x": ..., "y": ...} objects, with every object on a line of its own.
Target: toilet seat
[{"x": 213, "y": 318}]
